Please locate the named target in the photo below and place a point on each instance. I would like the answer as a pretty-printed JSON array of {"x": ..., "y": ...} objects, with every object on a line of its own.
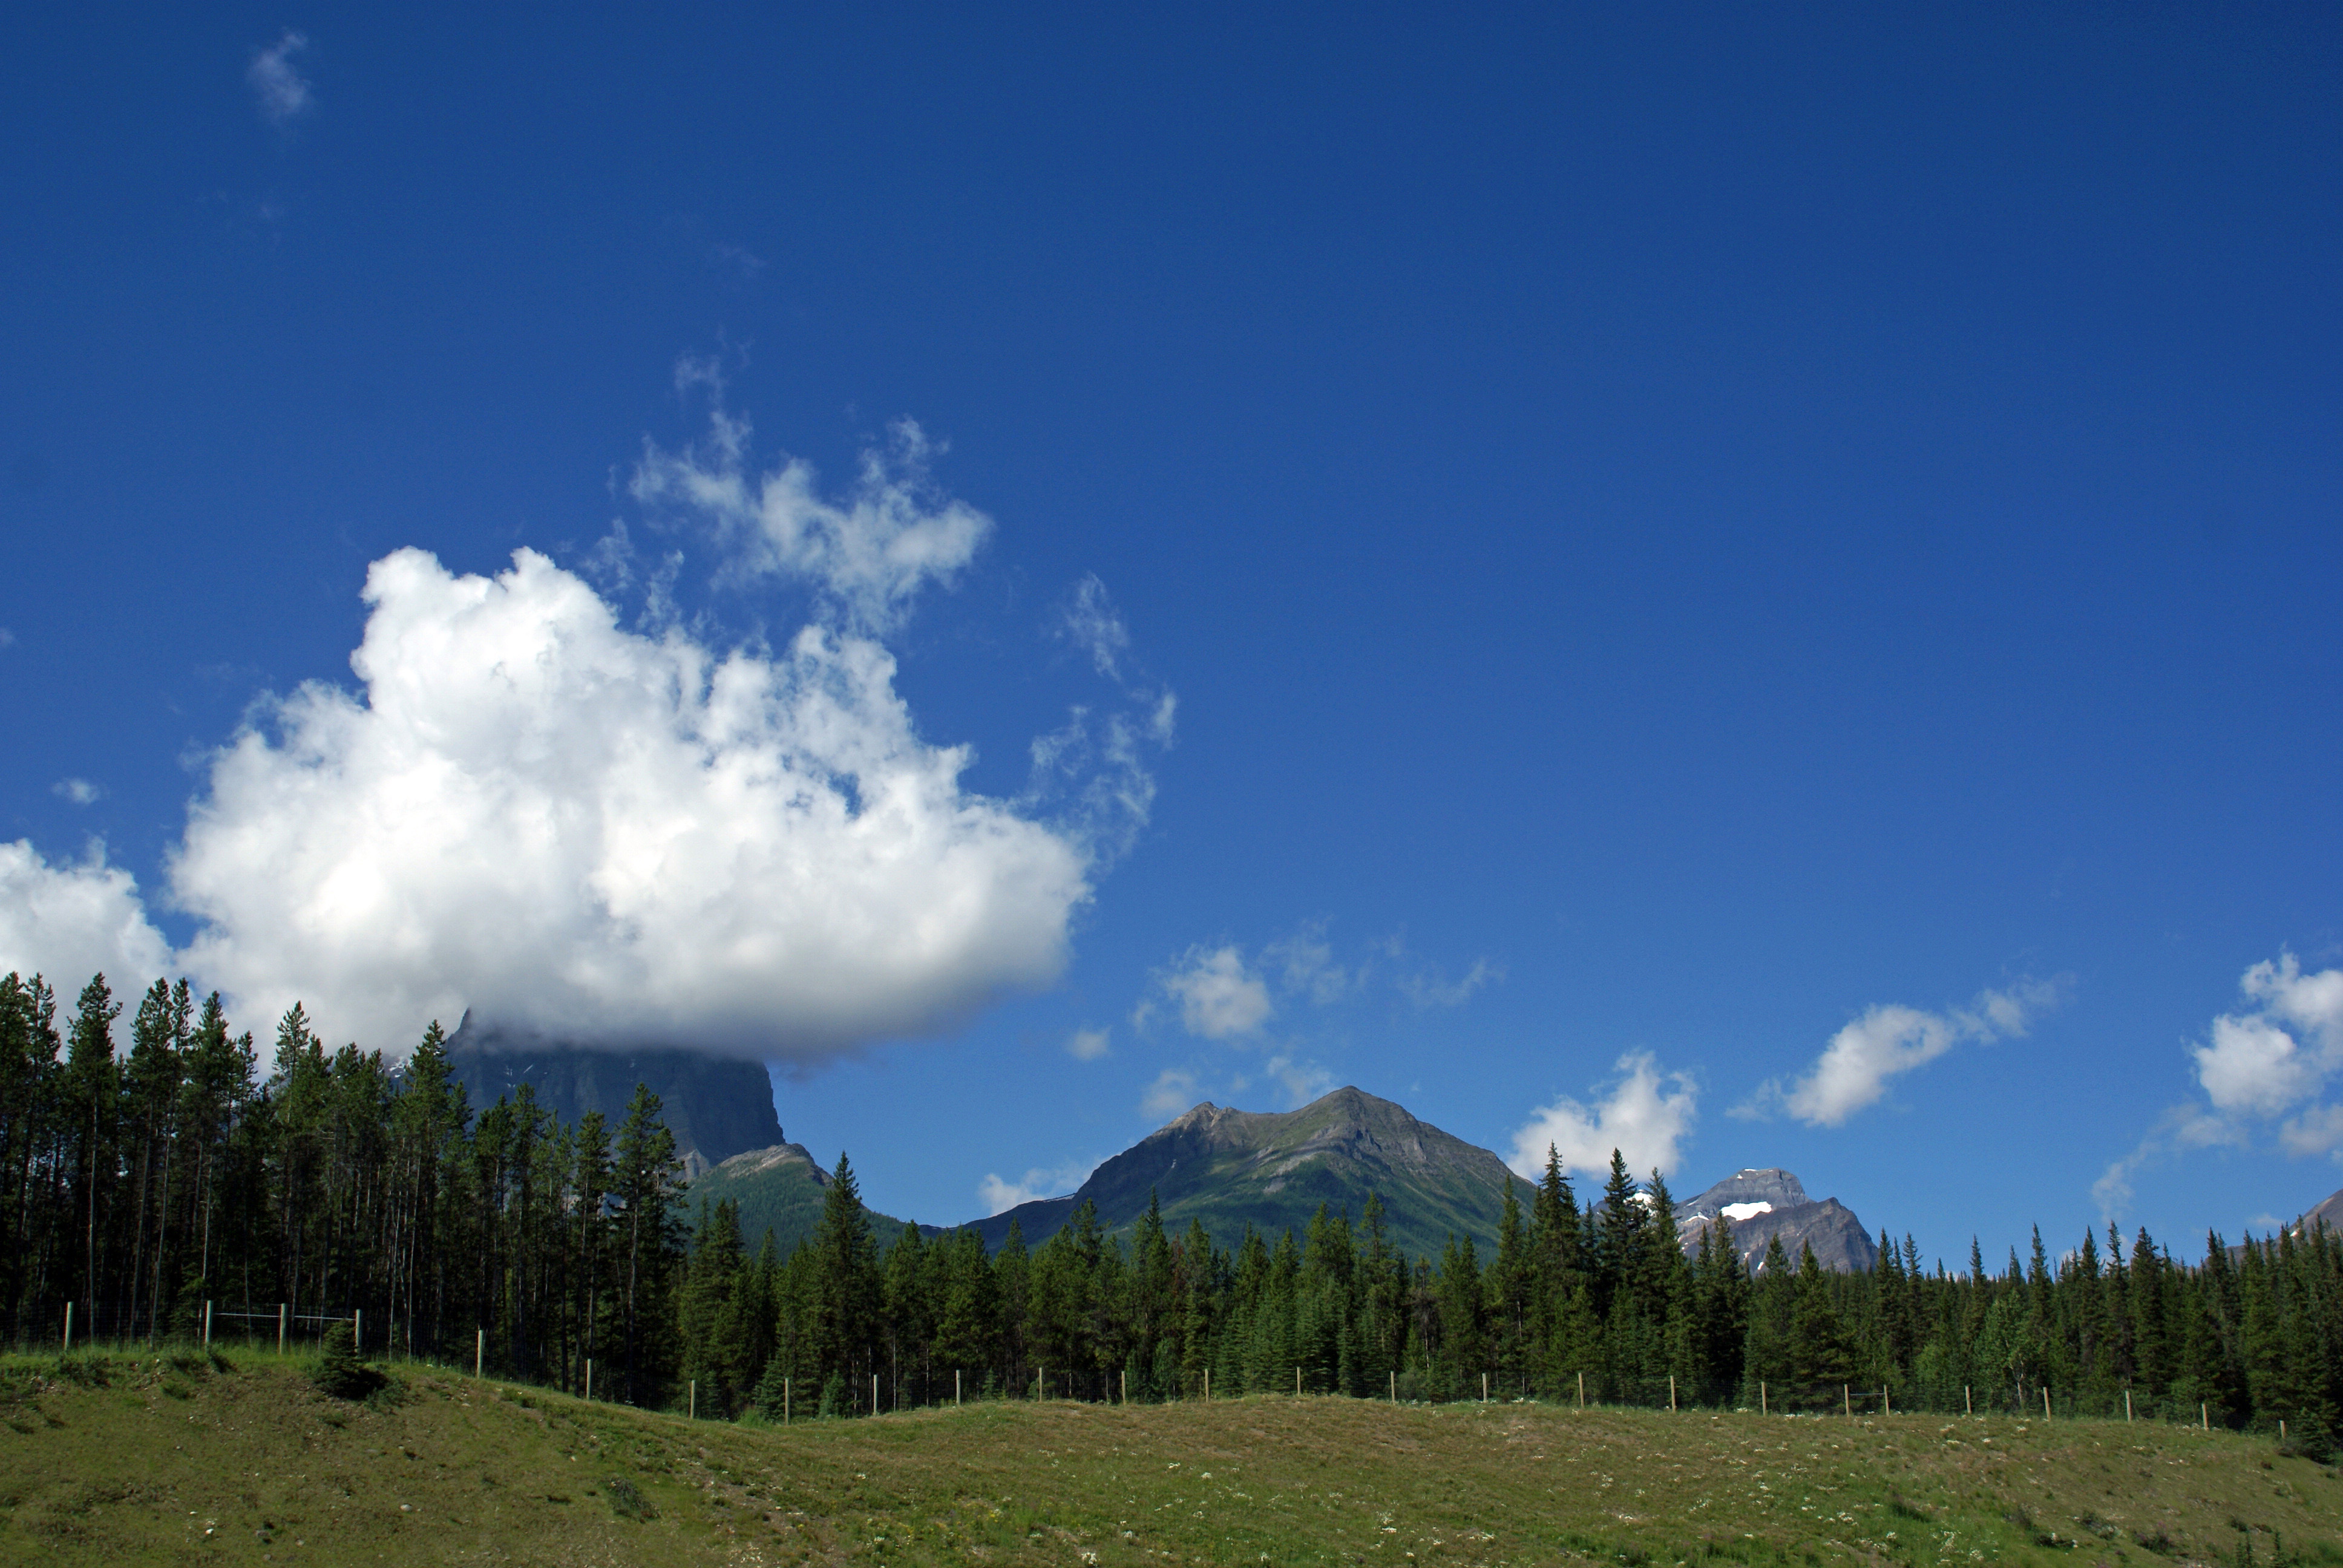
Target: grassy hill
[
  {"x": 186, "y": 1460},
  {"x": 1271, "y": 1170}
]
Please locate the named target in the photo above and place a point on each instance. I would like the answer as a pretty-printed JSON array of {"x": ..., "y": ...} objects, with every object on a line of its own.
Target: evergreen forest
[{"x": 182, "y": 1184}]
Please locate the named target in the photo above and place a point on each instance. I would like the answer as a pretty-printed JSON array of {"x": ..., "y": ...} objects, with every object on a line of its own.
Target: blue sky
[{"x": 1760, "y": 586}]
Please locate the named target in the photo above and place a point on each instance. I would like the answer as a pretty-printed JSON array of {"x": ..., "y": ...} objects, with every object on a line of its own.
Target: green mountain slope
[
  {"x": 1234, "y": 1168},
  {"x": 779, "y": 1189}
]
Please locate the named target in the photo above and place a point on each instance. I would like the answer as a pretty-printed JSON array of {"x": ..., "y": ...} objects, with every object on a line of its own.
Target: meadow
[{"x": 185, "y": 1457}]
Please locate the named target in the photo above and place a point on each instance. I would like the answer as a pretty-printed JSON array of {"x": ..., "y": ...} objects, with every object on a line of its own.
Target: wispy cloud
[
  {"x": 1644, "y": 1113},
  {"x": 1090, "y": 623},
  {"x": 282, "y": 92},
  {"x": 1173, "y": 1091},
  {"x": 1429, "y": 988},
  {"x": 1302, "y": 1081},
  {"x": 738, "y": 259},
  {"x": 1306, "y": 966},
  {"x": 7, "y": 638},
  {"x": 1886, "y": 1042},
  {"x": 866, "y": 555},
  {"x": 2269, "y": 1064},
  {"x": 1088, "y": 1044},
  {"x": 80, "y": 791}
]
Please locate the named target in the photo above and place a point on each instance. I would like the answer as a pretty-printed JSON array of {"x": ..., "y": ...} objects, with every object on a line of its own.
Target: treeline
[
  {"x": 142, "y": 1189},
  {"x": 139, "y": 1188},
  {"x": 1600, "y": 1302}
]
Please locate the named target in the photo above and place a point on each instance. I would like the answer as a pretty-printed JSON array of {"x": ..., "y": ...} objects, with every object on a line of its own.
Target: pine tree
[
  {"x": 643, "y": 1181},
  {"x": 89, "y": 1100},
  {"x": 846, "y": 1289}
]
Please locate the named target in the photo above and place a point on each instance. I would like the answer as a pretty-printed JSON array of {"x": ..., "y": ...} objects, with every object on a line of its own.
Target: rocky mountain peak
[
  {"x": 1758, "y": 1205},
  {"x": 1771, "y": 1187}
]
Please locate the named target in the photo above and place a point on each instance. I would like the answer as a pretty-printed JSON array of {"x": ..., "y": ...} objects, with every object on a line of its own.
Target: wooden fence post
[
  {"x": 69, "y": 1350},
  {"x": 589, "y": 1384},
  {"x": 2126, "y": 1407},
  {"x": 693, "y": 1408},
  {"x": 2046, "y": 1405},
  {"x": 1582, "y": 1390},
  {"x": 1672, "y": 1393},
  {"x": 1761, "y": 1398},
  {"x": 479, "y": 1351},
  {"x": 955, "y": 1388},
  {"x": 1847, "y": 1400},
  {"x": 1968, "y": 1406},
  {"x": 207, "y": 1325}
]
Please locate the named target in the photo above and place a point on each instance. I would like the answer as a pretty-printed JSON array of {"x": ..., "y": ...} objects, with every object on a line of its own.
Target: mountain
[
  {"x": 716, "y": 1106},
  {"x": 779, "y": 1189},
  {"x": 1759, "y": 1205},
  {"x": 1271, "y": 1170}
]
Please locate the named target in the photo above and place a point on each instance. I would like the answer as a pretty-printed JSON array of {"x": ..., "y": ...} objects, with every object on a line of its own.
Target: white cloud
[
  {"x": 2274, "y": 1057},
  {"x": 1000, "y": 1196},
  {"x": 867, "y": 557},
  {"x": 1889, "y": 1041},
  {"x": 1088, "y": 1044},
  {"x": 68, "y": 922},
  {"x": 556, "y": 822},
  {"x": 1646, "y": 1115},
  {"x": 2264, "y": 1061},
  {"x": 7, "y": 638},
  {"x": 80, "y": 791},
  {"x": 2318, "y": 1130},
  {"x": 1090, "y": 623},
  {"x": 1172, "y": 1092},
  {"x": 1218, "y": 996},
  {"x": 283, "y": 92}
]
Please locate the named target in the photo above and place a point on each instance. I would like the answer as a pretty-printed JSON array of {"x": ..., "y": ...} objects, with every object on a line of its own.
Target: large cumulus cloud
[{"x": 532, "y": 811}]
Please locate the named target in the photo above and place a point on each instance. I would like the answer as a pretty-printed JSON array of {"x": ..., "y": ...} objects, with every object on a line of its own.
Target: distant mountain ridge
[
  {"x": 1271, "y": 1170},
  {"x": 1227, "y": 1168}
]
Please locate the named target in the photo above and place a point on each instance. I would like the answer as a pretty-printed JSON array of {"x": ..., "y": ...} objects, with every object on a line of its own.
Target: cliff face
[{"x": 716, "y": 1106}]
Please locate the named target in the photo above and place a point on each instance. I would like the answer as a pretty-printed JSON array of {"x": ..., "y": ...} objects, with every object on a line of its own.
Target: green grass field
[{"x": 122, "y": 1459}]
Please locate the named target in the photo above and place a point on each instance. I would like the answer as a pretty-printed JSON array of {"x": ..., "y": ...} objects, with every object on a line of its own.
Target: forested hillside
[{"x": 142, "y": 1188}]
